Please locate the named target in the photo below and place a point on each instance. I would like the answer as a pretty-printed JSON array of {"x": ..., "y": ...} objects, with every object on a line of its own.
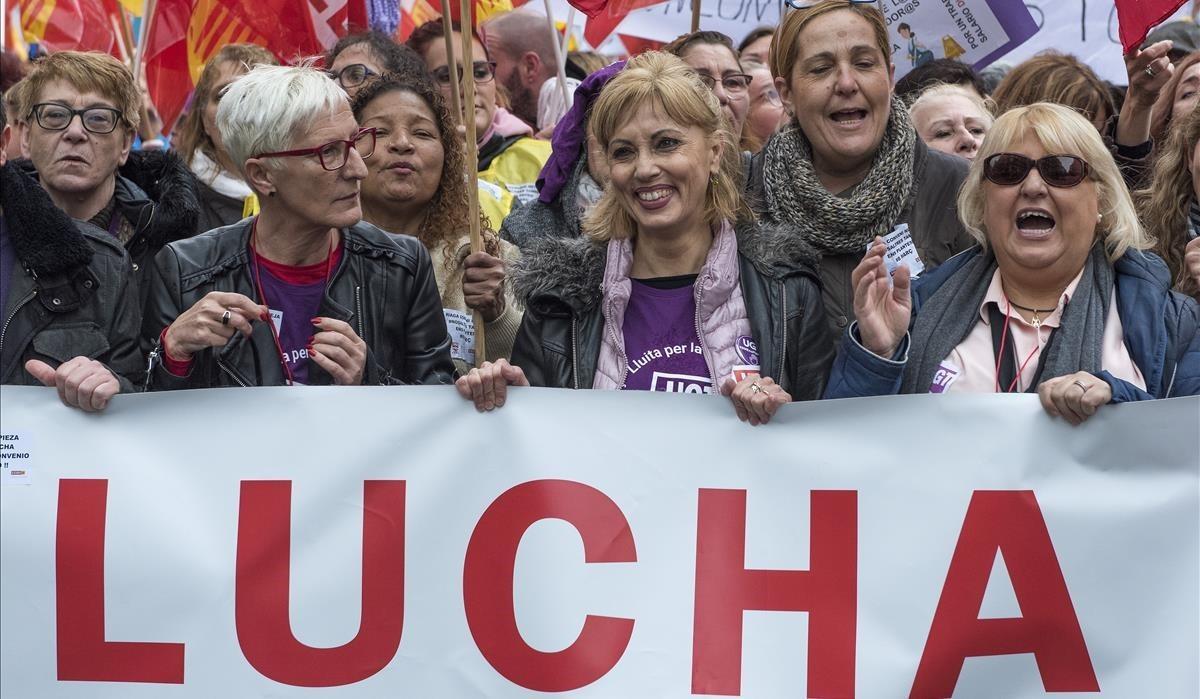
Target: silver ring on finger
[
  {"x": 755, "y": 387},
  {"x": 226, "y": 316},
  {"x": 1150, "y": 71},
  {"x": 1081, "y": 385}
]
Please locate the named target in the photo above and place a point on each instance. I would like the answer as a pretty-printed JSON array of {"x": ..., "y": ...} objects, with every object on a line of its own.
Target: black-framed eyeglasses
[
  {"x": 804, "y": 4},
  {"x": 57, "y": 117},
  {"x": 482, "y": 71},
  {"x": 1007, "y": 169},
  {"x": 333, "y": 155},
  {"x": 352, "y": 75},
  {"x": 734, "y": 83}
]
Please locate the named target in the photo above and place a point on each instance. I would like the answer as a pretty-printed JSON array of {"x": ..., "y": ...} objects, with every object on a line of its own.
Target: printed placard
[
  {"x": 462, "y": 335},
  {"x": 16, "y": 457},
  {"x": 901, "y": 250}
]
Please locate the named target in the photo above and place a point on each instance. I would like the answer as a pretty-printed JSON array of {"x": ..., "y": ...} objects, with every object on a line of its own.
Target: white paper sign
[
  {"x": 17, "y": 457},
  {"x": 461, "y": 327},
  {"x": 598, "y": 544}
]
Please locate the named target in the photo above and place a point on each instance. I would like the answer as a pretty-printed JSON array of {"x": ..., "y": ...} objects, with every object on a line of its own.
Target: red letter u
[{"x": 264, "y": 627}]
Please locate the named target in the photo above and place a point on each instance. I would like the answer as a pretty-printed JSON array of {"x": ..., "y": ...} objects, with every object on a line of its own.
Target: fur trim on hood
[
  {"x": 43, "y": 237},
  {"x": 571, "y": 270}
]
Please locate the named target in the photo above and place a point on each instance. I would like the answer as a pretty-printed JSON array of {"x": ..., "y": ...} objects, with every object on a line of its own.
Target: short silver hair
[{"x": 264, "y": 110}]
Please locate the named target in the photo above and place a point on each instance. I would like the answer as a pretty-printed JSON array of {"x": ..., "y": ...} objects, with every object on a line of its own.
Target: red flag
[
  {"x": 1137, "y": 17},
  {"x": 69, "y": 25},
  {"x": 605, "y": 15}
]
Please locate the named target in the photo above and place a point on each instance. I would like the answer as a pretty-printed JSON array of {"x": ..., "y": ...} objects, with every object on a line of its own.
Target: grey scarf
[
  {"x": 949, "y": 315},
  {"x": 832, "y": 223}
]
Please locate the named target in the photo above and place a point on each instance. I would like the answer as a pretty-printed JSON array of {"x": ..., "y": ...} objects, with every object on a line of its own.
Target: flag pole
[
  {"x": 448, "y": 34},
  {"x": 695, "y": 15},
  {"x": 566, "y": 39},
  {"x": 559, "y": 58},
  {"x": 143, "y": 34},
  {"x": 467, "y": 78}
]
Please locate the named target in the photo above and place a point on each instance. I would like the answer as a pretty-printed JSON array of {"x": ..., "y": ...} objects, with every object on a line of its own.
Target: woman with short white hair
[
  {"x": 305, "y": 292},
  {"x": 1060, "y": 297}
]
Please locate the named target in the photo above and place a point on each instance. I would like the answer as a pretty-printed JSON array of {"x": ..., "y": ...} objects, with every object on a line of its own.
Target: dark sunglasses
[{"x": 1007, "y": 169}]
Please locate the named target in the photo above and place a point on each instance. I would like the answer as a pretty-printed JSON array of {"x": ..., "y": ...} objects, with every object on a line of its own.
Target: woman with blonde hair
[
  {"x": 225, "y": 197},
  {"x": 1170, "y": 206},
  {"x": 675, "y": 287},
  {"x": 1060, "y": 296},
  {"x": 952, "y": 119}
]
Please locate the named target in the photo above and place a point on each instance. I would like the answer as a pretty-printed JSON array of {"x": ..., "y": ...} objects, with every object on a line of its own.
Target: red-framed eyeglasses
[{"x": 333, "y": 155}]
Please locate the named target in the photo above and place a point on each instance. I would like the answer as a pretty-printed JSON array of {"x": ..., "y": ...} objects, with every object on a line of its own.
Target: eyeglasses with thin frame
[
  {"x": 57, "y": 117},
  {"x": 805, "y": 4},
  {"x": 333, "y": 155},
  {"x": 1008, "y": 169},
  {"x": 352, "y": 75},
  {"x": 734, "y": 83},
  {"x": 482, "y": 71}
]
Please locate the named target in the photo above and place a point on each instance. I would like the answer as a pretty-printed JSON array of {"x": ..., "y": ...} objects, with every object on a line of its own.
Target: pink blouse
[{"x": 971, "y": 367}]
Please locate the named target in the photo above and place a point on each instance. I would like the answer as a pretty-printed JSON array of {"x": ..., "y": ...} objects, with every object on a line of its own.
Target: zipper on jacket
[
  {"x": 574, "y": 351},
  {"x": 358, "y": 308},
  {"x": 1171, "y": 385},
  {"x": 230, "y": 373},
  {"x": 152, "y": 361},
  {"x": 621, "y": 352},
  {"x": 783, "y": 323},
  {"x": 716, "y": 380},
  {"x": 19, "y": 306}
]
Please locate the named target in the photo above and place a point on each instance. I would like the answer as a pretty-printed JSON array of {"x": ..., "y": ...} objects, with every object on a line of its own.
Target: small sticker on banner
[
  {"x": 462, "y": 335},
  {"x": 901, "y": 251},
  {"x": 277, "y": 319},
  {"x": 16, "y": 457},
  {"x": 945, "y": 376},
  {"x": 741, "y": 372}
]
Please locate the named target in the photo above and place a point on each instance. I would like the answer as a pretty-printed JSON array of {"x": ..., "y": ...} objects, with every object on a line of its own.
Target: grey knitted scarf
[
  {"x": 831, "y": 223},
  {"x": 949, "y": 315}
]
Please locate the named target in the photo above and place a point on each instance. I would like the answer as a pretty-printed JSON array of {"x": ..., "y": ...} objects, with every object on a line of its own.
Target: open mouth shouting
[
  {"x": 1035, "y": 223},
  {"x": 849, "y": 118}
]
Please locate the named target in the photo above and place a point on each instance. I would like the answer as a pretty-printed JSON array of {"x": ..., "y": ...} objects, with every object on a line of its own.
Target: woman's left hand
[
  {"x": 1074, "y": 397},
  {"x": 487, "y": 385},
  {"x": 1191, "y": 261},
  {"x": 483, "y": 285},
  {"x": 339, "y": 350},
  {"x": 755, "y": 399}
]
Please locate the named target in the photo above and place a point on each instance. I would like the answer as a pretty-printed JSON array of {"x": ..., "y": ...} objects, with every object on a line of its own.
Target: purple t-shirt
[
  {"x": 661, "y": 343},
  {"x": 294, "y": 296}
]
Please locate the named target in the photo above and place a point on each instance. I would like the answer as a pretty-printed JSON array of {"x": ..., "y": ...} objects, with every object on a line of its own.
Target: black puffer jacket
[
  {"x": 383, "y": 287},
  {"x": 156, "y": 192},
  {"x": 71, "y": 291},
  {"x": 559, "y": 281}
]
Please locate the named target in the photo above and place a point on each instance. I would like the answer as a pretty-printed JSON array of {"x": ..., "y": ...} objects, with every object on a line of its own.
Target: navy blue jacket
[{"x": 1160, "y": 329}]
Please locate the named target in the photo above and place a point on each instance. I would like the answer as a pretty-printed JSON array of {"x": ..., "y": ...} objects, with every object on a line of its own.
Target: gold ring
[
  {"x": 1080, "y": 384},
  {"x": 756, "y": 388}
]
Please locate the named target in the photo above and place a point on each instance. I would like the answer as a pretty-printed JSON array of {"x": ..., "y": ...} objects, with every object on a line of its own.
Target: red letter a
[
  {"x": 828, "y": 591},
  {"x": 264, "y": 626},
  {"x": 1010, "y": 522},
  {"x": 83, "y": 654},
  {"x": 488, "y": 584}
]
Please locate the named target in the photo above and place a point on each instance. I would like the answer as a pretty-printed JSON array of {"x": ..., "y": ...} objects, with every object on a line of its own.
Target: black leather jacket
[
  {"x": 71, "y": 292},
  {"x": 383, "y": 287},
  {"x": 559, "y": 281}
]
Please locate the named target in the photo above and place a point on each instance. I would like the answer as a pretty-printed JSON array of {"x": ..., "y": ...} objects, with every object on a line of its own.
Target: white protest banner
[
  {"x": 1085, "y": 29},
  {"x": 388, "y": 542}
]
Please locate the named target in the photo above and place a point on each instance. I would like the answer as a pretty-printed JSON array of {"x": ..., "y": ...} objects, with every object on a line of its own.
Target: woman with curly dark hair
[
  {"x": 1170, "y": 205},
  {"x": 415, "y": 186}
]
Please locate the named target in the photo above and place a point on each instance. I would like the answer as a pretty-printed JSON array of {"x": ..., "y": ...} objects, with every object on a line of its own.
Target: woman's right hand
[
  {"x": 1191, "y": 261},
  {"x": 882, "y": 309},
  {"x": 201, "y": 325},
  {"x": 487, "y": 385}
]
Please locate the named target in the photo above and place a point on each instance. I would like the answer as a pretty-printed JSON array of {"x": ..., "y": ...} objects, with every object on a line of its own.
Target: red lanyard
[
  {"x": 262, "y": 296},
  {"x": 1000, "y": 355}
]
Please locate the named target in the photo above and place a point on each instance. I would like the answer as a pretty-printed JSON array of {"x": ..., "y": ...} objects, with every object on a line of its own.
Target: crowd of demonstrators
[
  {"x": 305, "y": 292},
  {"x": 1060, "y": 296},
  {"x": 1170, "y": 208},
  {"x": 145, "y": 199},
  {"x": 415, "y": 186},
  {"x": 509, "y": 156},
  {"x": 674, "y": 282},
  {"x": 224, "y": 197},
  {"x": 850, "y": 167},
  {"x": 702, "y": 219}
]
